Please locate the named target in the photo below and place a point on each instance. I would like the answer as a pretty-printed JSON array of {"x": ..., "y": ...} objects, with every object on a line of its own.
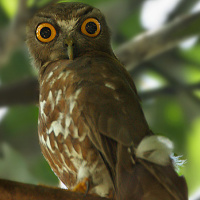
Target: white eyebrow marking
[{"x": 68, "y": 25}]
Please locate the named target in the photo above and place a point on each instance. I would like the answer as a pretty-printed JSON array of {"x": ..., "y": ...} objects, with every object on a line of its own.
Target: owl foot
[
  {"x": 82, "y": 187},
  {"x": 111, "y": 194}
]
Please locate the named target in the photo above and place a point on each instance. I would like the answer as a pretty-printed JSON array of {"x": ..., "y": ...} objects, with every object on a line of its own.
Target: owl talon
[
  {"x": 87, "y": 187},
  {"x": 82, "y": 187}
]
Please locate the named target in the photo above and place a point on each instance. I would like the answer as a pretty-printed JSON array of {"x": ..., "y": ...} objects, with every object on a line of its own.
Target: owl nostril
[{"x": 66, "y": 45}]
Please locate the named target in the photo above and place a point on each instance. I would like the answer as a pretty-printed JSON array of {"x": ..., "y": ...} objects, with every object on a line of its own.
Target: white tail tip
[{"x": 155, "y": 149}]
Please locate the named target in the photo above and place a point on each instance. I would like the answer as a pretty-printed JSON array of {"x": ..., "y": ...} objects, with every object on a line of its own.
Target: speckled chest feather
[{"x": 63, "y": 132}]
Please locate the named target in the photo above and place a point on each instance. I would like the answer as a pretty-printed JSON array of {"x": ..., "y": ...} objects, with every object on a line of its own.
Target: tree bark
[{"x": 11, "y": 190}]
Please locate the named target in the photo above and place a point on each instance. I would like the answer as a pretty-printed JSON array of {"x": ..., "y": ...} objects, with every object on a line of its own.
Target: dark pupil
[
  {"x": 45, "y": 32},
  {"x": 91, "y": 27}
]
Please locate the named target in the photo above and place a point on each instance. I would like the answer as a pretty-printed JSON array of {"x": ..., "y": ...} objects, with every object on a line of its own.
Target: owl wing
[
  {"x": 110, "y": 103},
  {"x": 111, "y": 108}
]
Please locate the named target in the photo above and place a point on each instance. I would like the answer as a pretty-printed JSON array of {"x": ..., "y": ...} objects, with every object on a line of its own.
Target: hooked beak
[{"x": 70, "y": 50}]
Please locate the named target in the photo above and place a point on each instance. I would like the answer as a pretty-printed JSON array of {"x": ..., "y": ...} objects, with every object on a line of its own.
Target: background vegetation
[{"x": 169, "y": 86}]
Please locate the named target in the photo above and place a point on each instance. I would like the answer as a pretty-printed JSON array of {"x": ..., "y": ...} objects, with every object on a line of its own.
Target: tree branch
[
  {"x": 152, "y": 43},
  {"x": 168, "y": 90},
  {"x": 22, "y": 92},
  {"x": 10, "y": 190},
  {"x": 183, "y": 6},
  {"x": 26, "y": 92}
]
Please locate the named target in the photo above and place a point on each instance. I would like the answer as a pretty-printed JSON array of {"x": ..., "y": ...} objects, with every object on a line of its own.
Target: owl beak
[{"x": 70, "y": 49}]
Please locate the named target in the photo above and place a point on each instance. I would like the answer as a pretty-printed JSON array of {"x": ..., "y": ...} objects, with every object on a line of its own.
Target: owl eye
[
  {"x": 91, "y": 27},
  {"x": 45, "y": 32}
]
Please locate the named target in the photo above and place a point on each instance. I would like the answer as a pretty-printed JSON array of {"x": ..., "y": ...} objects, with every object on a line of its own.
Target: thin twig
[
  {"x": 183, "y": 6},
  {"x": 167, "y": 90}
]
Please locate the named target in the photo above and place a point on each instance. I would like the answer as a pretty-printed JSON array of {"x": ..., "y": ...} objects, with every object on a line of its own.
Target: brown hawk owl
[{"x": 92, "y": 130}]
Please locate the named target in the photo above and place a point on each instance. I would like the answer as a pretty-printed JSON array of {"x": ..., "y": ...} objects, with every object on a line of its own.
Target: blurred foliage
[
  {"x": 131, "y": 26},
  {"x": 10, "y": 7},
  {"x": 176, "y": 116}
]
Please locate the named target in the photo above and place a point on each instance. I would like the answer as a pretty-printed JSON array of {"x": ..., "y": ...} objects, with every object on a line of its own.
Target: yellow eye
[
  {"x": 45, "y": 32},
  {"x": 91, "y": 27}
]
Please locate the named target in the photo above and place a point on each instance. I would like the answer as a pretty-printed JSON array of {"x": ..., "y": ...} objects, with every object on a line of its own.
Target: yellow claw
[{"x": 82, "y": 187}]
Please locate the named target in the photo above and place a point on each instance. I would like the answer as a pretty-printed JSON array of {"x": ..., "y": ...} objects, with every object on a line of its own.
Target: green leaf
[
  {"x": 18, "y": 67},
  {"x": 166, "y": 117},
  {"x": 42, "y": 172},
  {"x": 192, "y": 171},
  {"x": 131, "y": 26},
  {"x": 192, "y": 53},
  {"x": 19, "y": 120},
  {"x": 10, "y": 7},
  {"x": 192, "y": 75},
  {"x": 13, "y": 165}
]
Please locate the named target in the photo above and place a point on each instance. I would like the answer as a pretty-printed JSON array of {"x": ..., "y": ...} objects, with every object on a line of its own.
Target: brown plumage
[{"x": 91, "y": 125}]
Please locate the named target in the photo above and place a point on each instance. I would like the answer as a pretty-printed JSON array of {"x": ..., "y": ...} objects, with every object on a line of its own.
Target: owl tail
[{"x": 148, "y": 173}]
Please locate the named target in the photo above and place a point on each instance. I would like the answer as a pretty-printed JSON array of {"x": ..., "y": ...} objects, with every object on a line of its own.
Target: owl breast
[{"x": 63, "y": 135}]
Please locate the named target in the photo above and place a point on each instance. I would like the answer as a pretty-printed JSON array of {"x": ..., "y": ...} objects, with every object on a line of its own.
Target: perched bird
[{"x": 92, "y": 130}]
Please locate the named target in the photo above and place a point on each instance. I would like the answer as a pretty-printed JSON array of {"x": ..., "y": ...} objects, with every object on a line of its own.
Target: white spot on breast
[
  {"x": 76, "y": 132},
  {"x": 49, "y": 76},
  {"x": 67, "y": 73},
  {"x": 77, "y": 93},
  {"x": 68, "y": 120},
  {"x": 56, "y": 126},
  {"x": 55, "y": 68},
  {"x": 110, "y": 85},
  {"x": 42, "y": 105},
  {"x": 52, "y": 81},
  {"x": 49, "y": 144},
  {"x": 60, "y": 75},
  {"x": 67, "y": 124},
  {"x": 83, "y": 171},
  {"x": 50, "y": 99},
  {"x": 72, "y": 100},
  {"x": 71, "y": 106},
  {"x": 82, "y": 138},
  {"x": 64, "y": 75},
  {"x": 77, "y": 158},
  {"x": 42, "y": 141},
  {"x": 59, "y": 96}
]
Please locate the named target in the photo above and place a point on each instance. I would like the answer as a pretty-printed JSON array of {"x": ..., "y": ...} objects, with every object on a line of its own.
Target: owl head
[{"x": 66, "y": 31}]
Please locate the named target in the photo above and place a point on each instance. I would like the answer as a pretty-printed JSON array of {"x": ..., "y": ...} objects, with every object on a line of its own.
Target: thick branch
[
  {"x": 10, "y": 190},
  {"x": 26, "y": 92},
  {"x": 151, "y": 44},
  {"x": 22, "y": 92}
]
